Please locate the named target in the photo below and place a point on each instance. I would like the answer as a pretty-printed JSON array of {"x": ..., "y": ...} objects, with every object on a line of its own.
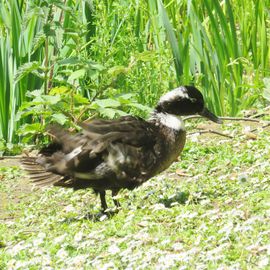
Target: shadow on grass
[
  {"x": 179, "y": 197},
  {"x": 94, "y": 217},
  {"x": 185, "y": 197}
]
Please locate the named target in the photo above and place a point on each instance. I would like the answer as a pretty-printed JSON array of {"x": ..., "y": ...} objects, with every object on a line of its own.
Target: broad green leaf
[
  {"x": 111, "y": 113},
  {"x": 107, "y": 112},
  {"x": 50, "y": 100},
  {"x": 30, "y": 129},
  {"x": 37, "y": 110},
  {"x": 59, "y": 118},
  {"x": 25, "y": 69},
  {"x": 79, "y": 99},
  {"x": 126, "y": 98},
  {"x": 121, "y": 113},
  {"x": 34, "y": 93},
  {"x": 141, "y": 107},
  {"x": 70, "y": 61},
  {"x": 76, "y": 75},
  {"x": 93, "y": 73},
  {"x": 38, "y": 41},
  {"x": 116, "y": 70},
  {"x": 59, "y": 90},
  {"x": 27, "y": 138},
  {"x": 94, "y": 65},
  {"x": 107, "y": 103}
]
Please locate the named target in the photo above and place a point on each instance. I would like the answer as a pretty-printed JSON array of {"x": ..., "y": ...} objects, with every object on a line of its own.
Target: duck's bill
[{"x": 206, "y": 113}]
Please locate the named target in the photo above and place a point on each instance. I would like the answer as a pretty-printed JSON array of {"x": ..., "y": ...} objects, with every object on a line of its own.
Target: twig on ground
[
  {"x": 10, "y": 157},
  {"x": 210, "y": 131},
  {"x": 227, "y": 118},
  {"x": 264, "y": 126},
  {"x": 261, "y": 113},
  {"x": 241, "y": 119}
]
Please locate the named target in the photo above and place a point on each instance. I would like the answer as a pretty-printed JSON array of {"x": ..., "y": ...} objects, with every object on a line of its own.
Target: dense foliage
[{"x": 66, "y": 61}]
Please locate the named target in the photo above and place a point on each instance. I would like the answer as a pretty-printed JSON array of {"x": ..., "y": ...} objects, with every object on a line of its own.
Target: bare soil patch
[{"x": 12, "y": 190}]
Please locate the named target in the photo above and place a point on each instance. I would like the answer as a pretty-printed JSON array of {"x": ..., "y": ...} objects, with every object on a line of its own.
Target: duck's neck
[{"x": 170, "y": 121}]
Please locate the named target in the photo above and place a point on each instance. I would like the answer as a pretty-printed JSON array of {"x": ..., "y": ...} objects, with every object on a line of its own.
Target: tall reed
[
  {"x": 222, "y": 48},
  {"x": 18, "y": 30},
  {"x": 32, "y": 37}
]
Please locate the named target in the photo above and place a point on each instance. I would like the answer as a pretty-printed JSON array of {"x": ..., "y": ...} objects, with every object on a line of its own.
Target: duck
[{"x": 123, "y": 153}]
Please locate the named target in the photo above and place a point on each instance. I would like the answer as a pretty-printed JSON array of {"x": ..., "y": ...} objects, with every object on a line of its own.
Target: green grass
[{"x": 218, "y": 217}]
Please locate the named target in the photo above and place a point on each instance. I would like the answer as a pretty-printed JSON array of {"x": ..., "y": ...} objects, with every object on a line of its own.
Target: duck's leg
[
  {"x": 116, "y": 202},
  {"x": 103, "y": 200}
]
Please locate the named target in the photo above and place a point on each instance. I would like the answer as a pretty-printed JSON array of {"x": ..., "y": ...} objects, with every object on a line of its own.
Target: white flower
[
  {"x": 46, "y": 261},
  {"x": 158, "y": 206},
  {"x": 60, "y": 239},
  {"x": 11, "y": 264},
  {"x": 18, "y": 247},
  {"x": 167, "y": 261},
  {"x": 264, "y": 262},
  {"x": 106, "y": 266},
  {"x": 21, "y": 265},
  {"x": 114, "y": 249},
  {"x": 165, "y": 242},
  {"x": 227, "y": 228},
  {"x": 78, "y": 260},
  {"x": 37, "y": 241},
  {"x": 69, "y": 208},
  {"x": 103, "y": 217},
  {"x": 178, "y": 246},
  {"x": 41, "y": 235},
  {"x": 78, "y": 237},
  {"x": 62, "y": 253}
]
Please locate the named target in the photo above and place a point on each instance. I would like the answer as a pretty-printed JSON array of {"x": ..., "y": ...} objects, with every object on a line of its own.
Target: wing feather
[{"x": 125, "y": 146}]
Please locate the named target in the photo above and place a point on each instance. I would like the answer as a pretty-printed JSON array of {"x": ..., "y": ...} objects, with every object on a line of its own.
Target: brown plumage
[{"x": 116, "y": 154}]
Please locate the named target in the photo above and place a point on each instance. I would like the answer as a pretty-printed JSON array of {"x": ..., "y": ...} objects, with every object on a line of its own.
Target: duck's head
[{"x": 185, "y": 100}]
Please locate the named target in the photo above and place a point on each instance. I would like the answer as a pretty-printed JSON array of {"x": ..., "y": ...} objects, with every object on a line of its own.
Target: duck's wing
[
  {"x": 56, "y": 162},
  {"x": 130, "y": 146},
  {"x": 128, "y": 130},
  {"x": 122, "y": 149}
]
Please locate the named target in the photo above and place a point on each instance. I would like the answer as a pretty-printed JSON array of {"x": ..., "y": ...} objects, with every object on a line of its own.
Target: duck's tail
[{"x": 38, "y": 174}]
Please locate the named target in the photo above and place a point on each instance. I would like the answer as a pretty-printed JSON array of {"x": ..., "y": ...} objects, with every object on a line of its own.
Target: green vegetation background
[{"x": 67, "y": 61}]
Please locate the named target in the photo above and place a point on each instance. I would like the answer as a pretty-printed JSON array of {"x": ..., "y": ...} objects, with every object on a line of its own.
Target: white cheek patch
[
  {"x": 180, "y": 92},
  {"x": 171, "y": 121}
]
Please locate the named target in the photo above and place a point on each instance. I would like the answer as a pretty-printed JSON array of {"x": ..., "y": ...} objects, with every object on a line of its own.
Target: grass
[{"x": 217, "y": 217}]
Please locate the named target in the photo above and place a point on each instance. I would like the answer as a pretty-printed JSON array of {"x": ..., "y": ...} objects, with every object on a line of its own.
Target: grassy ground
[{"x": 210, "y": 210}]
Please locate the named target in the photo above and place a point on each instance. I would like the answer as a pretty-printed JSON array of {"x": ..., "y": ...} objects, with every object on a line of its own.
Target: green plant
[
  {"x": 17, "y": 27},
  {"x": 64, "y": 106},
  {"x": 102, "y": 49},
  {"x": 64, "y": 49},
  {"x": 214, "y": 45}
]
